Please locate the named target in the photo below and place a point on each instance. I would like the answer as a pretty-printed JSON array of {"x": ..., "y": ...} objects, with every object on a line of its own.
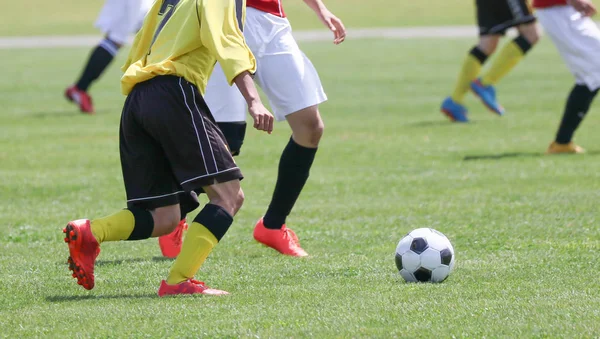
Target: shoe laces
[{"x": 290, "y": 236}]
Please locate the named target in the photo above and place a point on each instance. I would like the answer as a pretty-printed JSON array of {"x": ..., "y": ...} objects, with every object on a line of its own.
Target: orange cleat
[
  {"x": 190, "y": 286},
  {"x": 83, "y": 250},
  {"x": 570, "y": 148},
  {"x": 170, "y": 244},
  {"x": 81, "y": 98},
  {"x": 283, "y": 240}
]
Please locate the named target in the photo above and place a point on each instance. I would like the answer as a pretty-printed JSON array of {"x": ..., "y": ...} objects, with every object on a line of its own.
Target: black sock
[
  {"x": 479, "y": 54},
  {"x": 100, "y": 58},
  {"x": 523, "y": 44},
  {"x": 577, "y": 106},
  {"x": 144, "y": 224},
  {"x": 215, "y": 219},
  {"x": 294, "y": 168}
]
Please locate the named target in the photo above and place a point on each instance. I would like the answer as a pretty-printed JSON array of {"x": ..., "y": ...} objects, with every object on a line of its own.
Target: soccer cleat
[
  {"x": 83, "y": 250},
  {"x": 454, "y": 110},
  {"x": 170, "y": 244},
  {"x": 81, "y": 98},
  {"x": 487, "y": 94},
  {"x": 283, "y": 240},
  {"x": 570, "y": 148},
  {"x": 190, "y": 286}
]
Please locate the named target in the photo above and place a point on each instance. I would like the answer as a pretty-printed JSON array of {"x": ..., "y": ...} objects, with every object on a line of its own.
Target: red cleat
[
  {"x": 81, "y": 98},
  {"x": 83, "y": 250},
  {"x": 170, "y": 244},
  {"x": 190, "y": 286},
  {"x": 283, "y": 240}
]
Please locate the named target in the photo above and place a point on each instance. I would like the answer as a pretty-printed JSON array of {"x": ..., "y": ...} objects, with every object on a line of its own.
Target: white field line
[{"x": 60, "y": 41}]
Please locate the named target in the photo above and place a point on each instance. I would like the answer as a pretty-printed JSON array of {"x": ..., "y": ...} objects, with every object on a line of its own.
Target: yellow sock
[
  {"x": 197, "y": 245},
  {"x": 115, "y": 227},
  {"x": 505, "y": 61},
  {"x": 469, "y": 71}
]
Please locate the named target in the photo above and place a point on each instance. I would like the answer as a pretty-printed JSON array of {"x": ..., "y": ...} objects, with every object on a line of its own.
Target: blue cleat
[
  {"x": 454, "y": 111},
  {"x": 487, "y": 94}
]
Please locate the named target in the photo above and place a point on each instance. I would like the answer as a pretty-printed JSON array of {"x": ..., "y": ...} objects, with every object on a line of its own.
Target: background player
[
  {"x": 169, "y": 141},
  {"x": 577, "y": 39},
  {"x": 494, "y": 18},
  {"x": 294, "y": 90},
  {"x": 117, "y": 20}
]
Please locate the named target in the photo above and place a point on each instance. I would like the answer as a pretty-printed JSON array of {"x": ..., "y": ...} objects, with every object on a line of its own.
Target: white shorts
[
  {"x": 577, "y": 39},
  {"x": 120, "y": 18},
  {"x": 284, "y": 73}
]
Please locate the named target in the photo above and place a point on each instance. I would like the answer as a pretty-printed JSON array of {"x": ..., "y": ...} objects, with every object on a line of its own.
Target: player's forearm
[
  {"x": 316, "y": 5},
  {"x": 245, "y": 84}
]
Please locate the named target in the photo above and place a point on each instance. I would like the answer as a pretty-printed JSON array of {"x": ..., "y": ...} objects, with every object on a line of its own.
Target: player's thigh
[
  {"x": 577, "y": 39},
  {"x": 149, "y": 181},
  {"x": 289, "y": 79},
  {"x": 225, "y": 102}
]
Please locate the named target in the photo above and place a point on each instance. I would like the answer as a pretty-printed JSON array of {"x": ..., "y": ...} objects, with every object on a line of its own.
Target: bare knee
[
  {"x": 307, "y": 126},
  {"x": 531, "y": 32},
  {"x": 229, "y": 198},
  {"x": 488, "y": 44}
]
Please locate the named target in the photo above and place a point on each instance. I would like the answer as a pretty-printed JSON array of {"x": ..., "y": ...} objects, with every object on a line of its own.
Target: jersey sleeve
[{"x": 220, "y": 31}]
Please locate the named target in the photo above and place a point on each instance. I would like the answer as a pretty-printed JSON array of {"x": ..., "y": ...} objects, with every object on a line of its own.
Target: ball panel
[
  {"x": 411, "y": 261},
  {"x": 418, "y": 245},
  {"x": 404, "y": 245},
  {"x": 436, "y": 241},
  {"x": 431, "y": 259},
  {"x": 440, "y": 274},
  {"x": 408, "y": 277},
  {"x": 398, "y": 261},
  {"x": 422, "y": 274},
  {"x": 446, "y": 256}
]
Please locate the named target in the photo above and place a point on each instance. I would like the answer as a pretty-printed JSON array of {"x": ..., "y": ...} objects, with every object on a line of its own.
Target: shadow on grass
[
  {"x": 430, "y": 123},
  {"x": 130, "y": 260},
  {"x": 67, "y": 298},
  {"x": 63, "y": 113},
  {"x": 501, "y": 156}
]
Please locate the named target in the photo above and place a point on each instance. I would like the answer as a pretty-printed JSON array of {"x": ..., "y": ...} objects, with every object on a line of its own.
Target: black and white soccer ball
[{"x": 425, "y": 255}]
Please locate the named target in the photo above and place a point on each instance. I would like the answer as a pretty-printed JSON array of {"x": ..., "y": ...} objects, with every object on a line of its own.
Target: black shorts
[
  {"x": 170, "y": 144},
  {"x": 497, "y": 16}
]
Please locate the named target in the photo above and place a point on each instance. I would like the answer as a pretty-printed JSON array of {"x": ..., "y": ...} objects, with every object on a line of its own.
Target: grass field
[
  {"x": 524, "y": 225},
  {"x": 77, "y": 17}
]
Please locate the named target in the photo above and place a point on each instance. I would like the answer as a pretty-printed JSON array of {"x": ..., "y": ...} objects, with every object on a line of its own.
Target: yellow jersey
[{"x": 186, "y": 38}]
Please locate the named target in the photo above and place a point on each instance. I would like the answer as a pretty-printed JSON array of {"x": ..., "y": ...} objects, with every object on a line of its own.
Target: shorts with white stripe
[
  {"x": 497, "y": 16},
  {"x": 170, "y": 143}
]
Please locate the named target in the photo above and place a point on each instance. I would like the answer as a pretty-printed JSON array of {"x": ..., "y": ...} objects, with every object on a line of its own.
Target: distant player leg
[
  {"x": 453, "y": 106},
  {"x": 99, "y": 59},
  {"x": 577, "y": 39},
  {"x": 511, "y": 54},
  {"x": 576, "y": 108}
]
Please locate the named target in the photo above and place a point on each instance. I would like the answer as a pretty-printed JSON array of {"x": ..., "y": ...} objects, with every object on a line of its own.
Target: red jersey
[
  {"x": 548, "y": 3},
  {"x": 269, "y": 6}
]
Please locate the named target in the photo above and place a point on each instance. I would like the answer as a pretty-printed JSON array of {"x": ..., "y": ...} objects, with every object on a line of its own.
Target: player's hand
[
  {"x": 263, "y": 119},
  {"x": 335, "y": 25},
  {"x": 585, "y": 7}
]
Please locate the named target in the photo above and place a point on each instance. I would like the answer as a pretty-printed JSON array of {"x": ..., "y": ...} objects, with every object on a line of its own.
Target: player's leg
[
  {"x": 577, "y": 38},
  {"x": 506, "y": 14},
  {"x": 294, "y": 90},
  {"x": 453, "y": 106},
  {"x": 100, "y": 57},
  {"x": 152, "y": 193},
  {"x": 201, "y": 161}
]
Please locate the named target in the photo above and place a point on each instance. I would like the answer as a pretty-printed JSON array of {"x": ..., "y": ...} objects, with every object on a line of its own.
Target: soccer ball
[{"x": 425, "y": 255}]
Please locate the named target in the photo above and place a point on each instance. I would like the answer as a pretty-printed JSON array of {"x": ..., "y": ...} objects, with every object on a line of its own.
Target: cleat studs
[
  {"x": 64, "y": 230},
  {"x": 72, "y": 233},
  {"x": 74, "y": 275},
  {"x": 66, "y": 239}
]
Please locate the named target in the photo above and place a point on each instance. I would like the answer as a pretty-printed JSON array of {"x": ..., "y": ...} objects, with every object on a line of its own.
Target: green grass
[
  {"x": 77, "y": 17},
  {"x": 524, "y": 225}
]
